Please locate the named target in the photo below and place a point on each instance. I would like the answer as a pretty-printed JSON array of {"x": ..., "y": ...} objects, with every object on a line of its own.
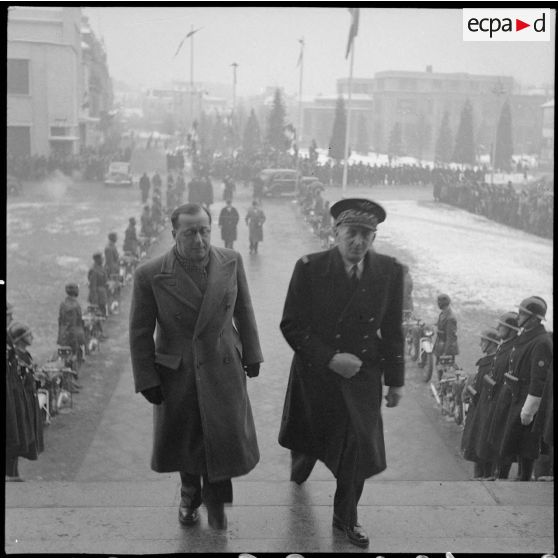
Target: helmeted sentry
[
  {"x": 534, "y": 306},
  {"x": 490, "y": 334},
  {"x": 17, "y": 330},
  {"x": 444, "y": 299},
  {"x": 71, "y": 289},
  {"x": 509, "y": 319}
]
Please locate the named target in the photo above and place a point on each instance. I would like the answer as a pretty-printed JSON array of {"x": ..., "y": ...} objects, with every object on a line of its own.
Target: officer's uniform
[{"x": 325, "y": 415}]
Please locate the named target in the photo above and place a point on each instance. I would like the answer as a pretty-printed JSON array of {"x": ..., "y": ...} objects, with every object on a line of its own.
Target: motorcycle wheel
[
  {"x": 458, "y": 413},
  {"x": 428, "y": 366},
  {"x": 413, "y": 348}
]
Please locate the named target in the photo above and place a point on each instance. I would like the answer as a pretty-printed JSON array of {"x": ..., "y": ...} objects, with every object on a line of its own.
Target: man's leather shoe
[
  {"x": 216, "y": 516},
  {"x": 355, "y": 533},
  {"x": 187, "y": 515}
]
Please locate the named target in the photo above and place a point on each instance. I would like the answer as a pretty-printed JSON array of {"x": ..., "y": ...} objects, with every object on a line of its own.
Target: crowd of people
[
  {"x": 91, "y": 163},
  {"x": 530, "y": 209}
]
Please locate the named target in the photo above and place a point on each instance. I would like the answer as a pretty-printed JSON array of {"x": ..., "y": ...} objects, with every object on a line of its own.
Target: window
[
  {"x": 18, "y": 76},
  {"x": 58, "y": 131}
]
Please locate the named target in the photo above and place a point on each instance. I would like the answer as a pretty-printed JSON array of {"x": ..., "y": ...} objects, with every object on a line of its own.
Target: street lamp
[{"x": 498, "y": 90}]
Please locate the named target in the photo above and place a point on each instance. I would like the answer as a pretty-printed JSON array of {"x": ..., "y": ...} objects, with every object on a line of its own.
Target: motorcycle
[
  {"x": 92, "y": 320},
  {"x": 448, "y": 390},
  {"x": 113, "y": 290},
  {"x": 425, "y": 359},
  {"x": 144, "y": 242},
  {"x": 411, "y": 327},
  {"x": 128, "y": 264},
  {"x": 56, "y": 384}
]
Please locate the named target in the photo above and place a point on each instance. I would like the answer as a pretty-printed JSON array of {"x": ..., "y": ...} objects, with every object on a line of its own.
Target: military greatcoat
[
  {"x": 446, "y": 339},
  {"x": 323, "y": 316},
  {"x": 70, "y": 324},
  {"x": 201, "y": 343},
  {"x": 530, "y": 363}
]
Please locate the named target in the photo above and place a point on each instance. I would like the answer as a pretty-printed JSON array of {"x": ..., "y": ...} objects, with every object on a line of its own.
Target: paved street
[{"x": 107, "y": 436}]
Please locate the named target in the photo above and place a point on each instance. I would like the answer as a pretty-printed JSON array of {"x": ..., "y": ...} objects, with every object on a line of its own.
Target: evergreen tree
[
  {"x": 464, "y": 151},
  {"x": 423, "y": 132},
  {"x": 337, "y": 142},
  {"x": 504, "y": 141},
  {"x": 363, "y": 145},
  {"x": 252, "y": 135},
  {"x": 395, "y": 144},
  {"x": 443, "y": 148},
  {"x": 276, "y": 124}
]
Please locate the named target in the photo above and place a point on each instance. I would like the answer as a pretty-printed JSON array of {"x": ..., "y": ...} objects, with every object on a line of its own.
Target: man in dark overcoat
[
  {"x": 228, "y": 221},
  {"x": 70, "y": 321},
  {"x": 520, "y": 398},
  {"x": 145, "y": 186},
  {"x": 194, "y": 372},
  {"x": 342, "y": 317}
]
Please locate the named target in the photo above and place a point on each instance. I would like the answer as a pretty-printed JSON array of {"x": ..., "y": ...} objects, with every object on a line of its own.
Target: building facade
[
  {"x": 547, "y": 145},
  {"x": 44, "y": 81}
]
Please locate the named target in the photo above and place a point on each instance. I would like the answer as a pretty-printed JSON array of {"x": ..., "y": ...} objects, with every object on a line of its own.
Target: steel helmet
[
  {"x": 72, "y": 289},
  {"x": 534, "y": 306},
  {"x": 444, "y": 299},
  {"x": 112, "y": 236},
  {"x": 509, "y": 319},
  {"x": 17, "y": 330},
  {"x": 97, "y": 256},
  {"x": 490, "y": 334}
]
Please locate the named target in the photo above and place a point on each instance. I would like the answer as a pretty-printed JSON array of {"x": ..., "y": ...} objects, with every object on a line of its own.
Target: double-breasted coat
[
  {"x": 446, "y": 339},
  {"x": 476, "y": 411},
  {"x": 205, "y": 422},
  {"x": 322, "y": 316},
  {"x": 529, "y": 365}
]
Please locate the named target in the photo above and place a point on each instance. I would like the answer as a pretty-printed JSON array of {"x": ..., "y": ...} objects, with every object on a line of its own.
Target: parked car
[
  {"x": 282, "y": 181},
  {"x": 119, "y": 174}
]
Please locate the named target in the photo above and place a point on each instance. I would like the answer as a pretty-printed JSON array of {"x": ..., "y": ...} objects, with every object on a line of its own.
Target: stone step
[{"x": 400, "y": 516}]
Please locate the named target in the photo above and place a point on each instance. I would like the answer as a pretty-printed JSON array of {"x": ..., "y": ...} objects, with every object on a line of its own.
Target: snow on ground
[{"x": 476, "y": 261}]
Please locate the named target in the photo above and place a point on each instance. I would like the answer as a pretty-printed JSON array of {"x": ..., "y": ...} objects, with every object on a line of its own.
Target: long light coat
[{"x": 196, "y": 357}]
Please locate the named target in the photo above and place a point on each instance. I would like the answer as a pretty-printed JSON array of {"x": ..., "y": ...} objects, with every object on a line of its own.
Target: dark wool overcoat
[
  {"x": 228, "y": 221},
  {"x": 24, "y": 427},
  {"x": 70, "y": 324},
  {"x": 323, "y": 315},
  {"x": 205, "y": 421},
  {"x": 255, "y": 218},
  {"x": 476, "y": 411},
  {"x": 446, "y": 338},
  {"x": 530, "y": 363},
  {"x": 490, "y": 388}
]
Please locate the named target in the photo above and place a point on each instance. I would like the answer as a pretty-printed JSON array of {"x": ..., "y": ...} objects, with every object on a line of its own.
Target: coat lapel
[
  {"x": 175, "y": 281},
  {"x": 220, "y": 269}
]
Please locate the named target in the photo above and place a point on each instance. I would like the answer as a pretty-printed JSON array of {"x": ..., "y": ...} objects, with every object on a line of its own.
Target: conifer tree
[
  {"x": 504, "y": 140},
  {"x": 276, "y": 124},
  {"x": 337, "y": 142},
  {"x": 464, "y": 151},
  {"x": 444, "y": 142},
  {"x": 252, "y": 135}
]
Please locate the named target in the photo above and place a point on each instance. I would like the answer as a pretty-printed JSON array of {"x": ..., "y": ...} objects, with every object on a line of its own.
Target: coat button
[
  {"x": 338, "y": 336},
  {"x": 364, "y": 350},
  {"x": 371, "y": 319}
]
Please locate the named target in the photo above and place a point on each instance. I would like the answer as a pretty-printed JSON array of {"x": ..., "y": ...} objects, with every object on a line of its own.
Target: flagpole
[
  {"x": 348, "y": 126},
  {"x": 299, "y": 125},
  {"x": 192, "y": 76}
]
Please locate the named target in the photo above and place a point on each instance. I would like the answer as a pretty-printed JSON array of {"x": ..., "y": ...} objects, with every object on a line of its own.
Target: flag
[
  {"x": 301, "y": 41},
  {"x": 186, "y": 37},
  {"x": 353, "y": 31}
]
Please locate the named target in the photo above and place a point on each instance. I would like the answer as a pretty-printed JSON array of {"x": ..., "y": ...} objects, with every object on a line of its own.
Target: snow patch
[{"x": 67, "y": 261}]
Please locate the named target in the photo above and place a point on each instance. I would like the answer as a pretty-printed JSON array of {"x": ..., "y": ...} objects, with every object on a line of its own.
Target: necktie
[{"x": 354, "y": 276}]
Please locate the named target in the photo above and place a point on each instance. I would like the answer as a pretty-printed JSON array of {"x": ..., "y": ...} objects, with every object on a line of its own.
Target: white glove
[
  {"x": 345, "y": 364},
  {"x": 530, "y": 407}
]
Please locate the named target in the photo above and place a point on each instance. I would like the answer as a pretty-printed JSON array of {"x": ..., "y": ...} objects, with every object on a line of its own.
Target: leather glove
[
  {"x": 252, "y": 370},
  {"x": 530, "y": 407},
  {"x": 345, "y": 364},
  {"x": 154, "y": 395},
  {"x": 393, "y": 396}
]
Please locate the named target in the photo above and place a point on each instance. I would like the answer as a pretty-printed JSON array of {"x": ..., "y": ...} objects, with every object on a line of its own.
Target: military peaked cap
[{"x": 358, "y": 212}]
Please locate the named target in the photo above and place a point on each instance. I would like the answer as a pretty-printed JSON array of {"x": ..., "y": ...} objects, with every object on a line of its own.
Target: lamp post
[{"x": 498, "y": 90}]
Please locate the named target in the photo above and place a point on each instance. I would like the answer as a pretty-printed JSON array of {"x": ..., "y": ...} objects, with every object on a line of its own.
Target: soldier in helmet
[
  {"x": 489, "y": 341},
  {"x": 488, "y": 438},
  {"x": 97, "y": 277},
  {"x": 70, "y": 323},
  {"x": 112, "y": 257},
  {"x": 131, "y": 238},
  {"x": 446, "y": 339},
  {"x": 520, "y": 398},
  {"x": 24, "y": 427}
]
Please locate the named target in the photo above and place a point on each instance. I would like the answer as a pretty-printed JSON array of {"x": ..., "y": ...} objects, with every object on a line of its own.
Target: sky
[{"x": 264, "y": 41}]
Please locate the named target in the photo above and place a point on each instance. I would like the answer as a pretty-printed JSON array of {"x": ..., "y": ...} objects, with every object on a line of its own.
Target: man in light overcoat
[{"x": 195, "y": 297}]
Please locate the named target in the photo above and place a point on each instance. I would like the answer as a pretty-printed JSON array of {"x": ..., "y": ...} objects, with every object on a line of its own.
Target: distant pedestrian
[
  {"x": 156, "y": 180},
  {"x": 145, "y": 186},
  {"x": 228, "y": 189},
  {"x": 228, "y": 221},
  {"x": 112, "y": 257},
  {"x": 71, "y": 331},
  {"x": 131, "y": 238},
  {"x": 255, "y": 218}
]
